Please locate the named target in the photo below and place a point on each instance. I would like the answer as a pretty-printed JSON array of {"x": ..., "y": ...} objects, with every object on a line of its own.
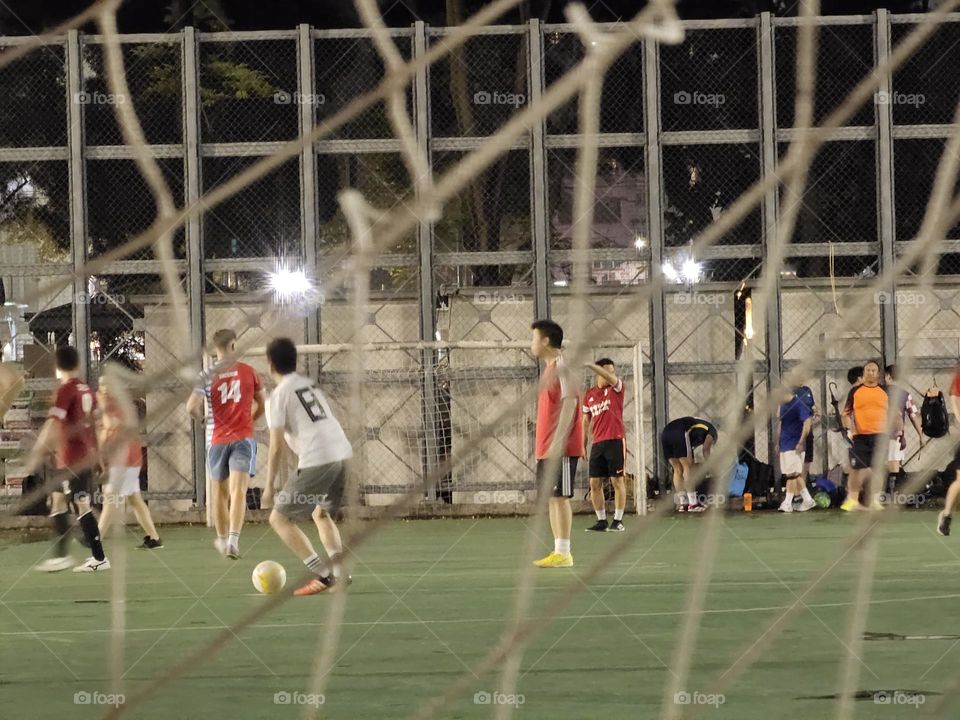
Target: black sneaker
[
  {"x": 150, "y": 544},
  {"x": 616, "y": 526},
  {"x": 598, "y": 526},
  {"x": 943, "y": 524}
]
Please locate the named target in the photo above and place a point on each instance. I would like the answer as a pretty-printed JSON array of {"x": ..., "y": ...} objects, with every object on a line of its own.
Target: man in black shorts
[
  {"x": 69, "y": 431},
  {"x": 683, "y": 441},
  {"x": 603, "y": 419},
  {"x": 559, "y": 443}
]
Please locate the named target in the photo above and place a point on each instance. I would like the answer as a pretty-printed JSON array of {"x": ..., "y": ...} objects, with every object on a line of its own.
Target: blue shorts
[{"x": 236, "y": 456}]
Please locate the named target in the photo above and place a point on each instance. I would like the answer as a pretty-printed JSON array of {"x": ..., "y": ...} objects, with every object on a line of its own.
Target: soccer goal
[{"x": 460, "y": 413}]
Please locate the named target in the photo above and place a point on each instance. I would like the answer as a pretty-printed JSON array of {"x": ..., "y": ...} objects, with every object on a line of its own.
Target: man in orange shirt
[
  {"x": 865, "y": 416},
  {"x": 557, "y": 404}
]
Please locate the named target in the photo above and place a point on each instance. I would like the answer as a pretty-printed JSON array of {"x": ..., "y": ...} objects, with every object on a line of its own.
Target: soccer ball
[{"x": 269, "y": 577}]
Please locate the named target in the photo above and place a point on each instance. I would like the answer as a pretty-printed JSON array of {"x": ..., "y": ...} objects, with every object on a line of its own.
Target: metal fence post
[
  {"x": 884, "y": 114},
  {"x": 538, "y": 176},
  {"x": 306, "y": 79},
  {"x": 654, "y": 168},
  {"x": 768, "y": 138},
  {"x": 194, "y": 234},
  {"x": 78, "y": 198},
  {"x": 428, "y": 324}
]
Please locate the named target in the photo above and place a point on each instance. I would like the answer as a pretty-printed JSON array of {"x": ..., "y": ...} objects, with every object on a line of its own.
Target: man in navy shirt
[
  {"x": 805, "y": 395},
  {"x": 796, "y": 419}
]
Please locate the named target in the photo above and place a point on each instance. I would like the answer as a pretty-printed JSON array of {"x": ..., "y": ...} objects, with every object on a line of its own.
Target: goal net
[{"x": 423, "y": 406}]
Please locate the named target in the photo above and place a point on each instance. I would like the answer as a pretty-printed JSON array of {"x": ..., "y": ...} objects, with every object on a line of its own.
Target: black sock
[
  {"x": 88, "y": 523},
  {"x": 61, "y": 529}
]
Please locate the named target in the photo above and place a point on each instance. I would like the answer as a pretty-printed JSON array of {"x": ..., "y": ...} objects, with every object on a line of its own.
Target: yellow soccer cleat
[
  {"x": 851, "y": 504},
  {"x": 555, "y": 560}
]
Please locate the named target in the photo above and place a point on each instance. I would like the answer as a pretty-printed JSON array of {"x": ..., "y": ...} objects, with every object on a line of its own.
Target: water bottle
[{"x": 748, "y": 502}]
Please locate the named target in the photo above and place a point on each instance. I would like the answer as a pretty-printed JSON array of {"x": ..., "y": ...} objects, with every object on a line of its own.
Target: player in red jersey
[
  {"x": 603, "y": 414},
  {"x": 557, "y": 404},
  {"x": 123, "y": 459},
  {"x": 236, "y": 399},
  {"x": 69, "y": 432}
]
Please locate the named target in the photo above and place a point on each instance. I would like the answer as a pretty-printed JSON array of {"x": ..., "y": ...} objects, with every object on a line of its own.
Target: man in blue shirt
[{"x": 796, "y": 419}]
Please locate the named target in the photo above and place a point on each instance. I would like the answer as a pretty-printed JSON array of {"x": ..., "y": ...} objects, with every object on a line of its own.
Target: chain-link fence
[{"x": 685, "y": 130}]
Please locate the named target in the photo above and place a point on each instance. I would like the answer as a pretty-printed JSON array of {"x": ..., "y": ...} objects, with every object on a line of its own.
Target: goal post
[{"x": 418, "y": 415}]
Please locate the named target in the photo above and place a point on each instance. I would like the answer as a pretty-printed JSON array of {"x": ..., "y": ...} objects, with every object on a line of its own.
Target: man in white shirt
[{"x": 299, "y": 417}]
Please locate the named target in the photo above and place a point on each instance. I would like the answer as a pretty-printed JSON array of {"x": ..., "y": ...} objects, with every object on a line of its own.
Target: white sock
[
  {"x": 788, "y": 500},
  {"x": 561, "y": 546},
  {"x": 692, "y": 497},
  {"x": 222, "y": 539},
  {"x": 234, "y": 539},
  {"x": 618, "y": 514},
  {"x": 601, "y": 514},
  {"x": 805, "y": 494},
  {"x": 316, "y": 566}
]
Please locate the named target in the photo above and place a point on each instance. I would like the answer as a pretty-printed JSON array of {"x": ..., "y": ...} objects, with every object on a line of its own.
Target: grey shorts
[
  {"x": 236, "y": 456},
  {"x": 314, "y": 487}
]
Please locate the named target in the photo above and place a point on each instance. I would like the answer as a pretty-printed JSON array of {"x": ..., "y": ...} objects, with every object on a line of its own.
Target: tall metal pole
[
  {"x": 640, "y": 482},
  {"x": 306, "y": 85},
  {"x": 654, "y": 167},
  {"x": 428, "y": 323},
  {"x": 194, "y": 236},
  {"x": 538, "y": 177},
  {"x": 768, "y": 151},
  {"x": 884, "y": 111},
  {"x": 78, "y": 197}
]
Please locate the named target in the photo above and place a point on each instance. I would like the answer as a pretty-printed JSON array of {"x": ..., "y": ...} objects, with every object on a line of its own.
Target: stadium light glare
[
  {"x": 640, "y": 243},
  {"x": 287, "y": 283},
  {"x": 691, "y": 270},
  {"x": 670, "y": 272}
]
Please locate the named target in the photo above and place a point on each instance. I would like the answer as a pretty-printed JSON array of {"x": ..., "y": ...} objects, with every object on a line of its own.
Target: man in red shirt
[
  {"x": 953, "y": 492},
  {"x": 557, "y": 452},
  {"x": 603, "y": 414},
  {"x": 236, "y": 399},
  {"x": 69, "y": 432}
]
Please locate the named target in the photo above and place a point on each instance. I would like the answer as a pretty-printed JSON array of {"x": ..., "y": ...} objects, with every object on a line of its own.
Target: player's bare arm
[
  {"x": 604, "y": 373},
  {"x": 259, "y": 405},
  {"x": 802, "y": 444},
  {"x": 45, "y": 446},
  {"x": 707, "y": 446},
  {"x": 586, "y": 434},
  {"x": 195, "y": 405},
  {"x": 275, "y": 456}
]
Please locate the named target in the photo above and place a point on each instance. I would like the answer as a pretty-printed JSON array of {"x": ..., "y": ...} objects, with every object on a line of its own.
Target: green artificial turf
[{"x": 430, "y": 598}]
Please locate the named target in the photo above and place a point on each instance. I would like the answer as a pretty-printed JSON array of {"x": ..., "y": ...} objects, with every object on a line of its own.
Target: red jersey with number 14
[
  {"x": 230, "y": 393},
  {"x": 73, "y": 406},
  {"x": 604, "y": 405}
]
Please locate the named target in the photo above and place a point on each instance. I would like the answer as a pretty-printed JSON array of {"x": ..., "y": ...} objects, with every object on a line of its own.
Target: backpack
[{"x": 934, "y": 418}]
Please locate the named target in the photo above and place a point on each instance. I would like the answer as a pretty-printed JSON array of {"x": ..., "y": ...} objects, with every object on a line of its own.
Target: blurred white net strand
[{"x": 374, "y": 231}]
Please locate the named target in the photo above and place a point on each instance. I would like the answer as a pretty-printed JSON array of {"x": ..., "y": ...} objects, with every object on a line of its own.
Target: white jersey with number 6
[{"x": 299, "y": 407}]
